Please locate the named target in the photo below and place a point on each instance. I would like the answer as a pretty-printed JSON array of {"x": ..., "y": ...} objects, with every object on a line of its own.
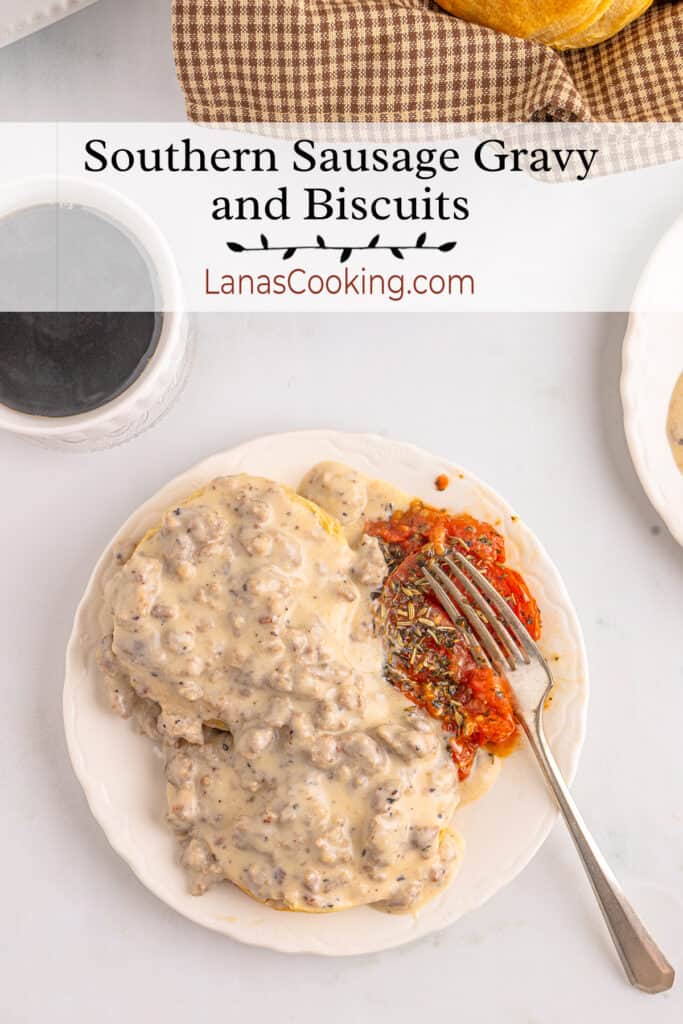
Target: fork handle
[{"x": 645, "y": 964}]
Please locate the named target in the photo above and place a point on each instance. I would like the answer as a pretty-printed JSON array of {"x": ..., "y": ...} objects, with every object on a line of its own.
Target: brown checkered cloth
[{"x": 361, "y": 61}]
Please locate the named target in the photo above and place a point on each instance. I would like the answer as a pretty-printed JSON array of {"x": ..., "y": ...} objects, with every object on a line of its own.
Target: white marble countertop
[
  {"x": 530, "y": 404},
  {"x": 109, "y": 62}
]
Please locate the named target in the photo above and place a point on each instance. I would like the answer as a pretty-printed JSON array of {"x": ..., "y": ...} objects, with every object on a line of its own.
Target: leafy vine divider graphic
[{"x": 345, "y": 250}]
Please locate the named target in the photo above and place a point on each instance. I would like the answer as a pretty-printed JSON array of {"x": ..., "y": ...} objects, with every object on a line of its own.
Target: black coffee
[
  {"x": 60, "y": 364},
  {"x": 64, "y": 257}
]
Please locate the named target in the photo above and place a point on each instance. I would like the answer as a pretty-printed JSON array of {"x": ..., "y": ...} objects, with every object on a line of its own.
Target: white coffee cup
[{"x": 152, "y": 392}]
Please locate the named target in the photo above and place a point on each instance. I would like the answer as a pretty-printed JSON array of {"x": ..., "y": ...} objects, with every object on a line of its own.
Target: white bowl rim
[{"x": 629, "y": 384}]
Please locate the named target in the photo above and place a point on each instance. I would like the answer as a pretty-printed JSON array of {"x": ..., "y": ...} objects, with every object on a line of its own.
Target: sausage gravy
[{"x": 240, "y": 637}]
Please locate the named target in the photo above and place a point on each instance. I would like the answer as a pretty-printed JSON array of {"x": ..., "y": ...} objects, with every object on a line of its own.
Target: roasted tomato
[
  {"x": 428, "y": 657},
  {"x": 421, "y": 524}
]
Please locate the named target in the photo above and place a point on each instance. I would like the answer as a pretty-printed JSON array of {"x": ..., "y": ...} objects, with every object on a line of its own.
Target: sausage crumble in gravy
[{"x": 240, "y": 636}]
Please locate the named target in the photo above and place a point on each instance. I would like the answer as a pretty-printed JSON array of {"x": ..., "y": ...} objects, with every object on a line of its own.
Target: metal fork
[{"x": 498, "y": 639}]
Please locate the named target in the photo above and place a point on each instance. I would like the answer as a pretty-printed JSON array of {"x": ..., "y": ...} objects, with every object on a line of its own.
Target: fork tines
[{"x": 485, "y": 620}]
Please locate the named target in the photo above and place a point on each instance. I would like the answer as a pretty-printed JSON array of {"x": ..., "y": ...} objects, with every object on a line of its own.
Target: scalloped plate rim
[{"x": 225, "y": 925}]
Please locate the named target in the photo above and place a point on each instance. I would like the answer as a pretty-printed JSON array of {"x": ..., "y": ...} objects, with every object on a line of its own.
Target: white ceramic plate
[
  {"x": 652, "y": 363},
  {"x": 19, "y": 18},
  {"x": 122, "y": 776}
]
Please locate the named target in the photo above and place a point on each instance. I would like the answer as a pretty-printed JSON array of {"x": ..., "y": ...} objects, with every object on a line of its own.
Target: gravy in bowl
[{"x": 674, "y": 423}]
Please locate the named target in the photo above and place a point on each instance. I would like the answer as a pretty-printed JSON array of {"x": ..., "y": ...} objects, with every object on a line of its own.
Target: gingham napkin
[{"x": 407, "y": 60}]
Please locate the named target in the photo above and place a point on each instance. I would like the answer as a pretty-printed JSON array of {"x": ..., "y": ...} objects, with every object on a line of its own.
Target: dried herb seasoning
[{"x": 428, "y": 657}]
